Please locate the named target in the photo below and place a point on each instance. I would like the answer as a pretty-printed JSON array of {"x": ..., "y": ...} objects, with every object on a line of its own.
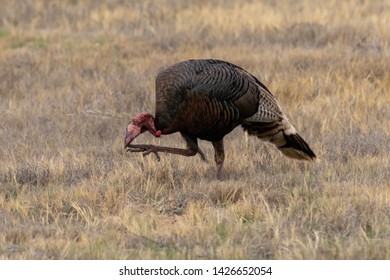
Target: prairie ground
[{"x": 73, "y": 73}]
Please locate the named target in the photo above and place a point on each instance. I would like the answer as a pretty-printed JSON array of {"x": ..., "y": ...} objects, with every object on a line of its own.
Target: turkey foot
[{"x": 147, "y": 149}]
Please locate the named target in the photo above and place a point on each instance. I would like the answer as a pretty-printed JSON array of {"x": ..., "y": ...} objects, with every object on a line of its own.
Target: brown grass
[{"x": 72, "y": 73}]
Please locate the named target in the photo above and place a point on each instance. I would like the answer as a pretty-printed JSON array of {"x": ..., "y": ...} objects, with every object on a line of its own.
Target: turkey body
[{"x": 206, "y": 99}]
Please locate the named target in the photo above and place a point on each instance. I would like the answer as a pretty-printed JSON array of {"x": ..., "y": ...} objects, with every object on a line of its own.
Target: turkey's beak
[
  {"x": 132, "y": 132},
  {"x": 128, "y": 139}
]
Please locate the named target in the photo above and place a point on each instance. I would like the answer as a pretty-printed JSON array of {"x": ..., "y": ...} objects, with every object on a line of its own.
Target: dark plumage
[{"x": 207, "y": 99}]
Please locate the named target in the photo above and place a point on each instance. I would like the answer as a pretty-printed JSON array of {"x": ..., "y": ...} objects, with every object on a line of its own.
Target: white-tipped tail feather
[
  {"x": 297, "y": 148},
  {"x": 287, "y": 127},
  {"x": 284, "y": 136}
]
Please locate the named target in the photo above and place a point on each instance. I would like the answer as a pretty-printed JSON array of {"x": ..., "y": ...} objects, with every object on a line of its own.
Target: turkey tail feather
[
  {"x": 283, "y": 135},
  {"x": 296, "y": 147}
]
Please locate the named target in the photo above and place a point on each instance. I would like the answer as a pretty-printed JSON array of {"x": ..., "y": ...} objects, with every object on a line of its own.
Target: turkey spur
[{"x": 207, "y": 99}]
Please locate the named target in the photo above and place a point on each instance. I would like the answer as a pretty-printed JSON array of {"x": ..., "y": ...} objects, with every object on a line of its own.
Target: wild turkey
[{"x": 207, "y": 99}]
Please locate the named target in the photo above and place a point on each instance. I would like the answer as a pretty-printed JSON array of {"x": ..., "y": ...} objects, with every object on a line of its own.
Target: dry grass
[{"x": 73, "y": 73}]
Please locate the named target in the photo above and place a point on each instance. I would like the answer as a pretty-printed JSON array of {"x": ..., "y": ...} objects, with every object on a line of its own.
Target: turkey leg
[
  {"x": 192, "y": 148},
  {"x": 219, "y": 157},
  {"x": 147, "y": 149}
]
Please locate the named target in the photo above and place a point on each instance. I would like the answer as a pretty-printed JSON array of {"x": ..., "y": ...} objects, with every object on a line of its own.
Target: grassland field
[{"x": 73, "y": 73}]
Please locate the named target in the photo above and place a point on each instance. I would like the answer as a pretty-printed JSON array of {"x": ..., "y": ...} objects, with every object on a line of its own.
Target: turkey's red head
[{"x": 140, "y": 123}]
